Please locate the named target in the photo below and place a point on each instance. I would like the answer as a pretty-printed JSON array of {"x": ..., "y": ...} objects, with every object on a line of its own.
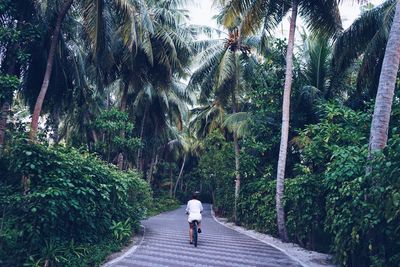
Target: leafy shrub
[
  {"x": 121, "y": 230},
  {"x": 305, "y": 206},
  {"x": 256, "y": 207},
  {"x": 216, "y": 169},
  {"x": 305, "y": 194},
  {"x": 112, "y": 123},
  {"x": 163, "y": 203},
  {"x": 363, "y": 210},
  {"x": 71, "y": 196}
]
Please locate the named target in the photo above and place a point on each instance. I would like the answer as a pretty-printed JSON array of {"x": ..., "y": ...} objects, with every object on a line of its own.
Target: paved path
[{"x": 166, "y": 243}]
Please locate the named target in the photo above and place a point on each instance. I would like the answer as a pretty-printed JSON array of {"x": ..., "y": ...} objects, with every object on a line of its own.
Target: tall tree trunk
[
  {"x": 150, "y": 171},
  {"x": 10, "y": 65},
  {"x": 55, "y": 121},
  {"x": 139, "y": 153},
  {"x": 387, "y": 83},
  {"x": 153, "y": 164},
  {"x": 122, "y": 108},
  {"x": 237, "y": 160},
  {"x": 171, "y": 181},
  {"x": 154, "y": 158},
  {"x": 120, "y": 161},
  {"x": 280, "y": 176},
  {"x": 124, "y": 97},
  {"x": 94, "y": 136},
  {"x": 49, "y": 68},
  {"x": 5, "y": 109},
  {"x": 180, "y": 174},
  {"x": 237, "y": 169}
]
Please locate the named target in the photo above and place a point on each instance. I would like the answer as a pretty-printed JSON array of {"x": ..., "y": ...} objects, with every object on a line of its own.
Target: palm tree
[
  {"x": 315, "y": 70},
  {"x": 96, "y": 17},
  {"x": 317, "y": 58},
  {"x": 18, "y": 16},
  {"x": 15, "y": 16},
  {"x": 188, "y": 145},
  {"x": 49, "y": 68},
  {"x": 320, "y": 16},
  {"x": 150, "y": 71},
  {"x": 365, "y": 40},
  {"x": 387, "y": 82},
  {"x": 221, "y": 77},
  {"x": 165, "y": 110}
]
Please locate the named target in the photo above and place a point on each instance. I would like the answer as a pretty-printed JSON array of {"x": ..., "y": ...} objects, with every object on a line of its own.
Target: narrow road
[{"x": 166, "y": 243}]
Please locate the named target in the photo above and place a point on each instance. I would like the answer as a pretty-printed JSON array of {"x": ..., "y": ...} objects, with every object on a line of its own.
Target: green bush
[
  {"x": 305, "y": 194},
  {"x": 163, "y": 203},
  {"x": 72, "y": 197},
  {"x": 305, "y": 211},
  {"x": 216, "y": 169},
  {"x": 256, "y": 207},
  {"x": 363, "y": 210}
]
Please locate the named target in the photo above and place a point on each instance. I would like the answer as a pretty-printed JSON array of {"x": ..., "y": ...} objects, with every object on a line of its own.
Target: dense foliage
[
  {"x": 73, "y": 199},
  {"x": 141, "y": 103},
  {"x": 331, "y": 204},
  {"x": 215, "y": 170}
]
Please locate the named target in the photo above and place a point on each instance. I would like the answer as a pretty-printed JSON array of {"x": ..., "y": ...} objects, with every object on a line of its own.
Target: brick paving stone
[{"x": 166, "y": 243}]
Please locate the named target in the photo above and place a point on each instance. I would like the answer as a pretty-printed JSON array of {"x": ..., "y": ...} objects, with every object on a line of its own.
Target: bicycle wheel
[{"x": 195, "y": 233}]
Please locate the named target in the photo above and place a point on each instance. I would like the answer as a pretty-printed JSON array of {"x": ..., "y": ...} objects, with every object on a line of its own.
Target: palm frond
[
  {"x": 321, "y": 16},
  {"x": 317, "y": 56},
  {"x": 209, "y": 64},
  {"x": 363, "y": 37},
  {"x": 238, "y": 122},
  {"x": 206, "y": 119},
  {"x": 226, "y": 68}
]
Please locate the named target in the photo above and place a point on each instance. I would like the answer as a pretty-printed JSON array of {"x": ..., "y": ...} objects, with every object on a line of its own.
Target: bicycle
[{"x": 195, "y": 234}]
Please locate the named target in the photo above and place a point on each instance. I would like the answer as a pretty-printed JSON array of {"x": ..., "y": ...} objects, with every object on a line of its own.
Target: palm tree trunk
[
  {"x": 3, "y": 121},
  {"x": 139, "y": 154},
  {"x": 122, "y": 107},
  {"x": 120, "y": 161},
  {"x": 10, "y": 65},
  {"x": 154, "y": 158},
  {"x": 171, "y": 181},
  {"x": 94, "y": 136},
  {"x": 150, "y": 170},
  {"x": 49, "y": 68},
  {"x": 180, "y": 174},
  {"x": 280, "y": 176},
  {"x": 237, "y": 169},
  {"x": 124, "y": 98},
  {"x": 387, "y": 83},
  {"x": 56, "y": 124},
  {"x": 153, "y": 164},
  {"x": 237, "y": 160}
]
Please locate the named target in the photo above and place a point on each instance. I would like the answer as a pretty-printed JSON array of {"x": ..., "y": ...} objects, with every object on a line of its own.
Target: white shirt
[{"x": 194, "y": 207}]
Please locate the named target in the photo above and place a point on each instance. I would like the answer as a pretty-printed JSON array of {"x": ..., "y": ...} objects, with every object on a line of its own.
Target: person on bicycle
[{"x": 194, "y": 209}]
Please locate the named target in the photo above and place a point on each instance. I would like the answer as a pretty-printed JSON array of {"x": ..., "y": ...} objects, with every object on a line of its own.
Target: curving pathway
[{"x": 166, "y": 243}]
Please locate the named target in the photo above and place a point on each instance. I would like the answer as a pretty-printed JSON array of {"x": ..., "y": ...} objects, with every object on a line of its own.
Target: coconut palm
[
  {"x": 49, "y": 67},
  {"x": 221, "y": 78},
  {"x": 387, "y": 82},
  {"x": 315, "y": 73},
  {"x": 316, "y": 56},
  {"x": 364, "y": 40},
  {"x": 151, "y": 71},
  {"x": 161, "y": 110},
  {"x": 186, "y": 145},
  {"x": 16, "y": 18},
  {"x": 320, "y": 16},
  {"x": 96, "y": 17}
]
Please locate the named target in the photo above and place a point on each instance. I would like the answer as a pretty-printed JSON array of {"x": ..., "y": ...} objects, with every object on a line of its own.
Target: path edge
[
  {"x": 259, "y": 239},
  {"x": 128, "y": 252}
]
